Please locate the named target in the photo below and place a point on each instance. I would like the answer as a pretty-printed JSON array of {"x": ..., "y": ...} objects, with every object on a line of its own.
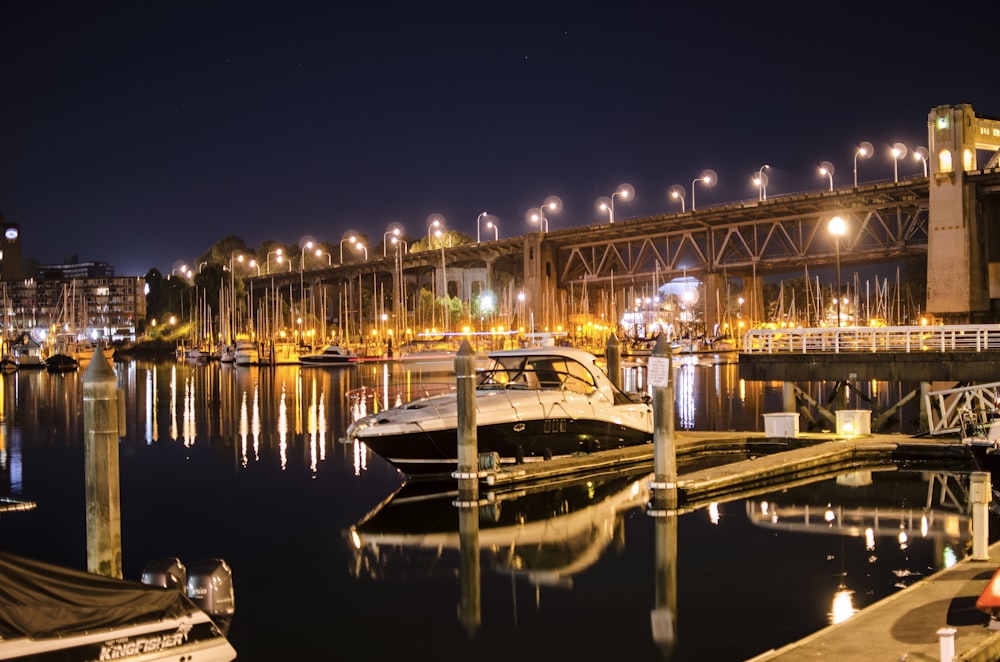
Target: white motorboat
[
  {"x": 50, "y": 612},
  {"x": 246, "y": 352},
  {"x": 329, "y": 355},
  {"x": 531, "y": 404}
]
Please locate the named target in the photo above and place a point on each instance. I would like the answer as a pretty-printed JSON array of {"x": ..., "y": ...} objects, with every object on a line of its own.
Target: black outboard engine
[
  {"x": 165, "y": 572},
  {"x": 210, "y": 587}
]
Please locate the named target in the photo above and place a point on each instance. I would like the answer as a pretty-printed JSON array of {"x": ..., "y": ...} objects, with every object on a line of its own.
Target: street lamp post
[
  {"x": 361, "y": 246},
  {"x": 864, "y": 150},
  {"x": 761, "y": 182},
  {"x": 385, "y": 239},
  {"x": 838, "y": 228},
  {"x": 920, "y": 154},
  {"x": 329, "y": 258},
  {"x": 267, "y": 260},
  {"x": 350, "y": 239},
  {"x": 898, "y": 152},
  {"x": 496, "y": 230},
  {"x": 624, "y": 191},
  {"x": 676, "y": 192},
  {"x": 433, "y": 221},
  {"x": 479, "y": 220},
  {"x": 444, "y": 280},
  {"x": 553, "y": 203},
  {"x": 708, "y": 178},
  {"x": 826, "y": 169}
]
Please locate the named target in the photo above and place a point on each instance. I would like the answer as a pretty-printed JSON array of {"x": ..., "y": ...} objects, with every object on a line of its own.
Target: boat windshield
[{"x": 537, "y": 373}]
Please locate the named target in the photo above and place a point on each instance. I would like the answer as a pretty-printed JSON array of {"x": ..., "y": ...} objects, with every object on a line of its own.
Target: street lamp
[
  {"x": 553, "y": 204},
  {"x": 394, "y": 231},
  {"x": 624, "y": 191},
  {"x": 479, "y": 220},
  {"x": 267, "y": 260},
  {"x": 496, "y": 230},
  {"x": 920, "y": 154},
  {"x": 826, "y": 169},
  {"x": 708, "y": 178},
  {"x": 360, "y": 245},
  {"x": 329, "y": 258},
  {"x": 433, "y": 221},
  {"x": 898, "y": 152},
  {"x": 838, "y": 228},
  {"x": 864, "y": 150},
  {"x": 761, "y": 182},
  {"x": 676, "y": 192},
  {"x": 349, "y": 239}
]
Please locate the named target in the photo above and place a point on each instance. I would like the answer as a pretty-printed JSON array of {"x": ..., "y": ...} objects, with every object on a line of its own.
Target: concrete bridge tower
[{"x": 963, "y": 247}]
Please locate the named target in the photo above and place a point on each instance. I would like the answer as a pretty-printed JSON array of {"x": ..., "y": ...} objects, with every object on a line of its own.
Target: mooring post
[
  {"x": 468, "y": 443},
  {"x": 613, "y": 356},
  {"x": 101, "y": 430},
  {"x": 661, "y": 379},
  {"x": 980, "y": 495}
]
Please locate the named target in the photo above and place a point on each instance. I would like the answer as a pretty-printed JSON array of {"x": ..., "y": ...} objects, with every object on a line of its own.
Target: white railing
[
  {"x": 965, "y": 338},
  {"x": 956, "y": 409}
]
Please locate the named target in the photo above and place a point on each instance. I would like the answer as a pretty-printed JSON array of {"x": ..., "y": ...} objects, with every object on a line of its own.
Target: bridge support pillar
[
  {"x": 715, "y": 293},
  {"x": 924, "y": 424},
  {"x": 789, "y": 402}
]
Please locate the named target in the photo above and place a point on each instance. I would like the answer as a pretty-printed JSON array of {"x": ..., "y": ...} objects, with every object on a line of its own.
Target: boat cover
[{"x": 40, "y": 600}]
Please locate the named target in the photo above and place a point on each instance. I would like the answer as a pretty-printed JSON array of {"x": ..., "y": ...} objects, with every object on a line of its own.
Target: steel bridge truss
[{"x": 885, "y": 222}]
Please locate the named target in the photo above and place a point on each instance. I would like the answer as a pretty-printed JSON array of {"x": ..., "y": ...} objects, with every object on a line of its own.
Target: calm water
[{"x": 331, "y": 553}]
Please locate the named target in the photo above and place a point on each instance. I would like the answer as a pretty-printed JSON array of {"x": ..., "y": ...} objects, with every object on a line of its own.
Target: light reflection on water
[{"x": 247, "y": 464}]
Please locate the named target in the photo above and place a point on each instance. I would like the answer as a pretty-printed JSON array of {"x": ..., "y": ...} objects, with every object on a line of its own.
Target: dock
[{"x": 903, "y": 626}]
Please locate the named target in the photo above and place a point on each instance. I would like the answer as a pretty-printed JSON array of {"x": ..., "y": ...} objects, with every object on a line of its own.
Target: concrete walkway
[{"x": 904, "y": 626}]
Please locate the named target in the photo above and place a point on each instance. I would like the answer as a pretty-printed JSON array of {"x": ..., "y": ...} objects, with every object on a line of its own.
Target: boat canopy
[{"x": 44, "y": 600}]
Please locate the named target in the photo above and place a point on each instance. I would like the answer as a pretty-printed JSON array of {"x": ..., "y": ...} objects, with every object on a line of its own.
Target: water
[{"x": 246, "y": 464}]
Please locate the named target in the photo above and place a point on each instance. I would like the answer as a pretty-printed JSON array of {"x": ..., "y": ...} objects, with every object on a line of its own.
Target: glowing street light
[
  {"x": 496, "y": 230},
  {"x": 360, "y": 246},
  {"x": 676, "y": 192},
  {"x": 920, "y": 154},
  {"x": 708, "y": 178},
  {"x": 351, "y": 239},
  {"x": 479, "y": 220},
  {"x": 898, "y": 152},
  {"x": 393, "y": 230},
  {"x": 838, "y": 228},
  {"x": 433, "y": 221},
  {"x": 761, "y": 182},
  {"x": 624, "y": 191},
  {"x": 826, "y": 169},
  {"x": 553, "y": 204},
  {"x": 320, "y": 253},
  {"x": 864, "y": 150},
  {"x": 267, "y": 260}
]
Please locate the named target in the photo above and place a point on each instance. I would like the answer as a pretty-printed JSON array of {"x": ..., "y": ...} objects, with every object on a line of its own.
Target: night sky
[{"x": 142, "y": 132}]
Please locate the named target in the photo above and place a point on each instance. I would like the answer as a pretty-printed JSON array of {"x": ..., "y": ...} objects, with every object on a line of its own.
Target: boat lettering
[
  {"x": 118, "y": 649},
  {"x": 557, "y": 425}
]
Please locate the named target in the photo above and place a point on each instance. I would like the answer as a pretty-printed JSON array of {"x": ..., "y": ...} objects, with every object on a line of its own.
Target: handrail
[{"x": 873, "y": 339}]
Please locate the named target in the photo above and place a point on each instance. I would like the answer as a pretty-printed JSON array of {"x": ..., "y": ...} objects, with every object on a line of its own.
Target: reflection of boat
[
  {"x": 53, "y": 613},
  {"x": 545, "y": 533},
  {"x": 329, "y": 355},
  {"x": 531, "y": 404}
]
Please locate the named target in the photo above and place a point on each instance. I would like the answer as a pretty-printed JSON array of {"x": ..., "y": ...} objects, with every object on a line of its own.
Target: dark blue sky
[{"x": 141, "y": 133}]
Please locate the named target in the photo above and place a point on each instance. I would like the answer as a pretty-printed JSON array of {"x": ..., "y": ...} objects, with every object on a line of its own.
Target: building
[{"x": 101, "y": 308}]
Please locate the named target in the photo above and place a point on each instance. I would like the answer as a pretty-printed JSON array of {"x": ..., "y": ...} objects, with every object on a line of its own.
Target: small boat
[
  {"x": 246, "y": 352},
  {"x": 531, "y": 404},
  {"x": 52, "y": 612},
  {"x": 329, "y": 355}
]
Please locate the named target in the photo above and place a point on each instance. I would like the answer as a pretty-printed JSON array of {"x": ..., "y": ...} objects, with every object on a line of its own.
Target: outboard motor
[
  {"x": 210, "y": 587},
  {"x": 165, "y": 572}
]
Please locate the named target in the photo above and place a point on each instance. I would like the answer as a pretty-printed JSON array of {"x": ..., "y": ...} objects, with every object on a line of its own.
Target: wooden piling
[
  {"x": 101, "y": 434},
  {"x": 468, "y": 442},
  {"x": 661, "y": 379},
  {"x": 613, "y": 356}
]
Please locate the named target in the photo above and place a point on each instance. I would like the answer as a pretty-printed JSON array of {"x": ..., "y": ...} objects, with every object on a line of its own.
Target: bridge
[{"x": 596, "y": 272}]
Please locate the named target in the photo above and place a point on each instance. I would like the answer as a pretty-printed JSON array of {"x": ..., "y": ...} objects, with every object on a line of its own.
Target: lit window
[{"x": 944, "y": 161}]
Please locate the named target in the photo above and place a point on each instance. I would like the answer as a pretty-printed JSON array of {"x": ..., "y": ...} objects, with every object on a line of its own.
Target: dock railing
[
  {"x": 952, "y": 410},
  {"x": 965, "y": 338}
]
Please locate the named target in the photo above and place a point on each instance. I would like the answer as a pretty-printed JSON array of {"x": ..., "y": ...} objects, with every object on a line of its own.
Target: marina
[{"x": 261, "y": 450}]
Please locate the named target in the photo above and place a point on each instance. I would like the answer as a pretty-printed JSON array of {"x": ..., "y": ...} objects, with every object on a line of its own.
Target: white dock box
[
  {"x": 783, "y": 425},
  {"x": 854, "y": 421}
]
